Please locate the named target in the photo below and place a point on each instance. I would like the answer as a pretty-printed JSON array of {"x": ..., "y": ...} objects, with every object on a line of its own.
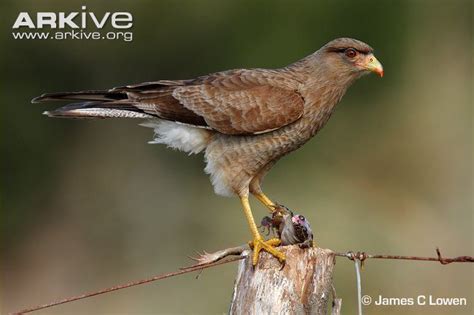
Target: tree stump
[{"x": 303, "y": 286}]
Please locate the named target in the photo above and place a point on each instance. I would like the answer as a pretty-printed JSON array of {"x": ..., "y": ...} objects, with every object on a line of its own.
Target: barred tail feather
[{"x": 95, "y": 110}]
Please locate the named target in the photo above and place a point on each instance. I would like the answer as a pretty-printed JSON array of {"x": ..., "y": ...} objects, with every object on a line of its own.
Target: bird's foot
[{"x": 259, "y": 244}]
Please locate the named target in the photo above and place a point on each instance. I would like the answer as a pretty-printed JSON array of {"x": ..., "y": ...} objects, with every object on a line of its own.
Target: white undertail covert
[{"x": 189, "y": 139}]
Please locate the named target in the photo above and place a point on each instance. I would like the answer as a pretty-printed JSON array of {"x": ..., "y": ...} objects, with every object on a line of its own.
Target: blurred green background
[{"x": 89, "y": 204}]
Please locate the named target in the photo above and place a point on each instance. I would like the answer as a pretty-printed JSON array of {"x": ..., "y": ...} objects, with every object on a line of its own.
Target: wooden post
[{"x": 303, "y": 286}]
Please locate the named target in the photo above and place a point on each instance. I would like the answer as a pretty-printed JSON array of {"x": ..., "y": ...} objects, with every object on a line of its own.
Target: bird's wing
[
  {"x": 232, "y": 102},
  {"x": 243, "y": 101}
]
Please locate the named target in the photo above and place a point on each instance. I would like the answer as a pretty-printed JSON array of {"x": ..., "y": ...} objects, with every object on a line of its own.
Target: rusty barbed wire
[{"x": 360, "y": 256}]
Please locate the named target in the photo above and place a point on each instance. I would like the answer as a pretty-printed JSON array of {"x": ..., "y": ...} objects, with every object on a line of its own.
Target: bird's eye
[
  {"x": 350, "y": 52},
  {"x": 301, "y": 218}
]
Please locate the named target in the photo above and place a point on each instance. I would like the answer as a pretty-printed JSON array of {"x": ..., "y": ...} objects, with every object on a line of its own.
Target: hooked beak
[{"x": 372, "y": 64}]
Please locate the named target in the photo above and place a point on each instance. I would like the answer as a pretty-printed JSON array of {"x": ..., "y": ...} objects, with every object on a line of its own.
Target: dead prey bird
[
  {"x": 243, "y": 120},
  {"x": 291, "y": 229}
]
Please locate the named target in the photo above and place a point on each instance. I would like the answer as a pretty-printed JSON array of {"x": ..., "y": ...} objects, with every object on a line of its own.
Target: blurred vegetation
[{"x": 87, "y": 204}]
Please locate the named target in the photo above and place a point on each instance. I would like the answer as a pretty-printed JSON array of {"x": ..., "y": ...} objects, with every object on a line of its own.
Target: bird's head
[
  {"x": 300, "y": 220},
  {"x": 347, "y": 55}
]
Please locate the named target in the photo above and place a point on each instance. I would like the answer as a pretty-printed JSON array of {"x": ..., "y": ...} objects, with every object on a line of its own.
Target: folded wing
[{"x": 231, "y": 102}]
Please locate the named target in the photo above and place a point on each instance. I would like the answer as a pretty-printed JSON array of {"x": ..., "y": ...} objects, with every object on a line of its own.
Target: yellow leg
[
  {"x": 257, "y": 244},
  {"x": 266, "y": 201}
]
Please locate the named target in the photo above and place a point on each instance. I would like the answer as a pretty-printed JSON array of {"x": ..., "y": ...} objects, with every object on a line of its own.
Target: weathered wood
[
  {"x": 336, "y": 306},
  {"x": 303, "y": 286}
]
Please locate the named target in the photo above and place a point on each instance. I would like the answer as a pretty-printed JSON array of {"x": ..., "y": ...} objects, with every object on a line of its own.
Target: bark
[{"x": 303, "y": 286}]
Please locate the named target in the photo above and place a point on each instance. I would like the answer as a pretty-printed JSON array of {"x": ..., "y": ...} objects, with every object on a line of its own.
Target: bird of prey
[{"x": 244, "y": 120}]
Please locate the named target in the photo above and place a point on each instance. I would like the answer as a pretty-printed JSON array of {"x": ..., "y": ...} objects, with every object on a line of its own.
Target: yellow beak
[{"x": 374, "y": 65}]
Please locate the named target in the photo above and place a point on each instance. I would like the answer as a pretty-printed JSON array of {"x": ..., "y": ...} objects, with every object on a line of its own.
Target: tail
[
  {"x": 93, "y": 104},
  {"x": 174, "y": 124},
  {"x": 143, "y": 100}
]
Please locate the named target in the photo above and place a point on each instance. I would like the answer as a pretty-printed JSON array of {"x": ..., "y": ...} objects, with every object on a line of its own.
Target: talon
[
  {"x": 250, "y": 244},
  {"x": 283, "y": 264},
  {"x": 259, "y": 244}
]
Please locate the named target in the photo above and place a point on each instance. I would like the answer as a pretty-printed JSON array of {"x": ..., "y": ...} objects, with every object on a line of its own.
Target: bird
[
  {"x": 291, "y": 228},
  {"x": 296, "y": 230},
  {"x": 242, "y": 120}
]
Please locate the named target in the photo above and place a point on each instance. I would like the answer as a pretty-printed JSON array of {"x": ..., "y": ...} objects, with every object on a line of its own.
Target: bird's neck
[
  {"x": 322, "y": 89},
  {"x": 325, "y": 97}
]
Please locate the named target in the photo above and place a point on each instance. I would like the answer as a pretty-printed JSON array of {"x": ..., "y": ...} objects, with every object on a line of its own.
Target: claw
[
  {"x": 283, "y": 264},
  {"x": 258, "y": 244}
]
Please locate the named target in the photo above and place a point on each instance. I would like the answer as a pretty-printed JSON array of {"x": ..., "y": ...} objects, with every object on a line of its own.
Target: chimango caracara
[{"x": 243, "y": 120}]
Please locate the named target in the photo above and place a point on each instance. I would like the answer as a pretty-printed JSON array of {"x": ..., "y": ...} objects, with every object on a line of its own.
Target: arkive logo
[
  {"x": 51, "y": 25},
  {"x": 118, "y": 20}
]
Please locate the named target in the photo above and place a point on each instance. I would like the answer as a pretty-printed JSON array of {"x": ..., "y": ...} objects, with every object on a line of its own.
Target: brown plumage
[{"x": 244, "y": 120}]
